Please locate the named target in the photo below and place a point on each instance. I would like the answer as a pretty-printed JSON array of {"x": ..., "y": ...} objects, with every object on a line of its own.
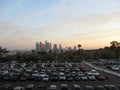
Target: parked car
[
  {"x": 100, "y": 77},
  {"x": 91, "y": 77},
  {"x": 41, "y": 87},
  {"x": 69, "y": 78},
  {"x": 23, "y": 78},
  {"x": 89, "y": 88},
  {"x": 6, "y": 77},
  {"x": 14, "y": 77},
  {"x": 30, "y": 77},
  {"x": 62, "y": 78},
  {"x": 76, "y": 78},
  {"x": 19, "y": 88},
  {"x": 53, "y": 87},
  {"x": 37, "y": 78},
  {"x": 54, "y": 78},
  {"x": 76, "y": 87},
  {"x": 1, "y": 76},
  {"x": 6, "y": 87},
  {"x": 46, "y": 78},
  {"x": 94, "y": 72},
  {"x": 64, "y": 87},
  {"x": 111, "y": 87},
  {"x": 84, "y": 78},
  {"x": 30, "y": 87},
  {"x": 100, "y": 87}
]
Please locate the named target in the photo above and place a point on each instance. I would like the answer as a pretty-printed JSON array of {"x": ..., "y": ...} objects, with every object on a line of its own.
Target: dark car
[
  {"x": 6, "y": 87},
  {"x": 64, "y": 87},
  {"x": 76, "y": 78},
  {"x": 30, "y": 87},
  {"x": 69, "y": 78},
  {"x": 23, "y": 78},
  {"x": 1, "y": 76},
  {"x": 6, "y": 77},
  {"x": 37, "y": 78},
  {"x": 41, "y": 87},
  {"x": 14, "y": 77},
  {"x": 30, "y": 77},
  {"x": 118, "y": 86},
  {"x": 83, "y": 69},
  {"x": 76, "y": 87},
  {"x": 100, "y": 77},
  {"x": 54, "y": 78},
  {"x": 89, "y": 88},
  {"x": 111, "y": 87},
  {"x": 100, "y": 87}
]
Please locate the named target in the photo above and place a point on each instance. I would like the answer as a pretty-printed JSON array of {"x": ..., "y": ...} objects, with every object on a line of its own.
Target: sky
[{"x": 91, "y": 23}]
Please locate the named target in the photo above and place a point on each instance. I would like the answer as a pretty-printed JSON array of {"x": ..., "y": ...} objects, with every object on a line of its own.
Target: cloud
[
  {"x": 1, "y": 10},
  {"x": 29, "y": 16},
  {"x": 16, "y": 37},
  {"x": 19, "y": 4}
]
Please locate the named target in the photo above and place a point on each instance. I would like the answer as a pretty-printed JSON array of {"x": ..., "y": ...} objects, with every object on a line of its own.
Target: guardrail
[{"x": 101, "y": 69}]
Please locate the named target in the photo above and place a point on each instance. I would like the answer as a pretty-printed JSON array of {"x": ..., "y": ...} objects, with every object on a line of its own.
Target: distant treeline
[{"x": 112, "y": 52}]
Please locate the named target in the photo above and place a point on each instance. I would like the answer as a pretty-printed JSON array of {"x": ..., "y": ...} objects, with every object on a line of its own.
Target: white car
[
  {"x": 94, "y": 72},
  {"x": 91, "y": 77},
  {"x": 62, "y": 76},
  {"x": 115, "y": 68},
  {"x": 83, "y": 77},
  {"x": 46, "y": 78},
  {"x": 18, "y": 88},
  {"x": 53, "y": 87}
]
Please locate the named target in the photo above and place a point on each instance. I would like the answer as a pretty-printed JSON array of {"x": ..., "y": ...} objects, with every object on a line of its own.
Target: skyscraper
[
  {"x": 60, "y": 47},
  {"x": 44, "y": 47},
  {"x": 37, "y": 46},
  {"x": 75, "y": 48},
  {"x": 55, "y": 48}
]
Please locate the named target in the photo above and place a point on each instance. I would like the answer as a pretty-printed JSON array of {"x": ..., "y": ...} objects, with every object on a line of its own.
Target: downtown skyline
[{"x": 91, "y": 23}]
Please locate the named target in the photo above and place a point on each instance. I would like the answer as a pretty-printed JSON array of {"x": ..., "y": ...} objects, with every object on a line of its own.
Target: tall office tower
[
  {"x": 37, "y": 46},
  {"x": 75, "y": 48},
  {"x": 40, "y": 46},
  {"x": 55, "y": 48},
  {"x": 60, "y": 47},
  {"x": 46, "y": 46},
  {"x": 66, "y": 48},
  {"x": 69, "y": 48},
  {"x": 50, "y": 46}
]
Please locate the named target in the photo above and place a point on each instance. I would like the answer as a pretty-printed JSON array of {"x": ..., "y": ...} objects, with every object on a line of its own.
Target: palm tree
[{"x": 79, "y": 46}]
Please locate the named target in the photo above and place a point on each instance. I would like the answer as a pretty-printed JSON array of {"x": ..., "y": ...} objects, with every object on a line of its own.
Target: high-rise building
[
  {"x": 60, "y": 47},
  {"x": 75, "y": 48},
  {"x": 40, "y": 45},
  {"x": 69, "y": 48},
  {"x": 55, "y": 48},
  {"x": 37, "y": 46},
  {"x": 44, "y": 47},
  {"x": 50, "y": 46}
]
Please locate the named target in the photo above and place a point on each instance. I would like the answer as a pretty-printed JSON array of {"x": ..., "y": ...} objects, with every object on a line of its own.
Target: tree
[
  {"x": 114, "y": 44},
  {"x": 79, "y": 46}
]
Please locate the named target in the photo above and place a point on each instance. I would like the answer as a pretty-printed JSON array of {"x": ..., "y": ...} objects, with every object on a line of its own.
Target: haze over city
[{"x": 91, "y": 23}]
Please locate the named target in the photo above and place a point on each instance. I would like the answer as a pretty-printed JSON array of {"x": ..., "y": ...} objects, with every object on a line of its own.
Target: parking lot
[
  {"x": 113, "y": 65},
  {"x": 23, "y": 74}
]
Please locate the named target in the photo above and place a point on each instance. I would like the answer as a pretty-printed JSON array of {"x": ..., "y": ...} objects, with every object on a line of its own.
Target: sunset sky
[{"x": 92, "y": 23}]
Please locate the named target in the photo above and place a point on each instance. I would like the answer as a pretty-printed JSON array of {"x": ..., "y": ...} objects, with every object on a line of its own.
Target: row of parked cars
[
  {"x": 61, "y": 87},
  {"x": 48, "y": 72},
  {"x": 113, "y": 67},
  {"x": 112, "y": 64},
  {"x": 107, "y": 62}
]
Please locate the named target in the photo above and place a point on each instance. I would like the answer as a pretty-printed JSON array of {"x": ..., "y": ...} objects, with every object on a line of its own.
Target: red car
[
  {"x": 100, "y": 77},
  {"x": 83, "y": 69}
]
